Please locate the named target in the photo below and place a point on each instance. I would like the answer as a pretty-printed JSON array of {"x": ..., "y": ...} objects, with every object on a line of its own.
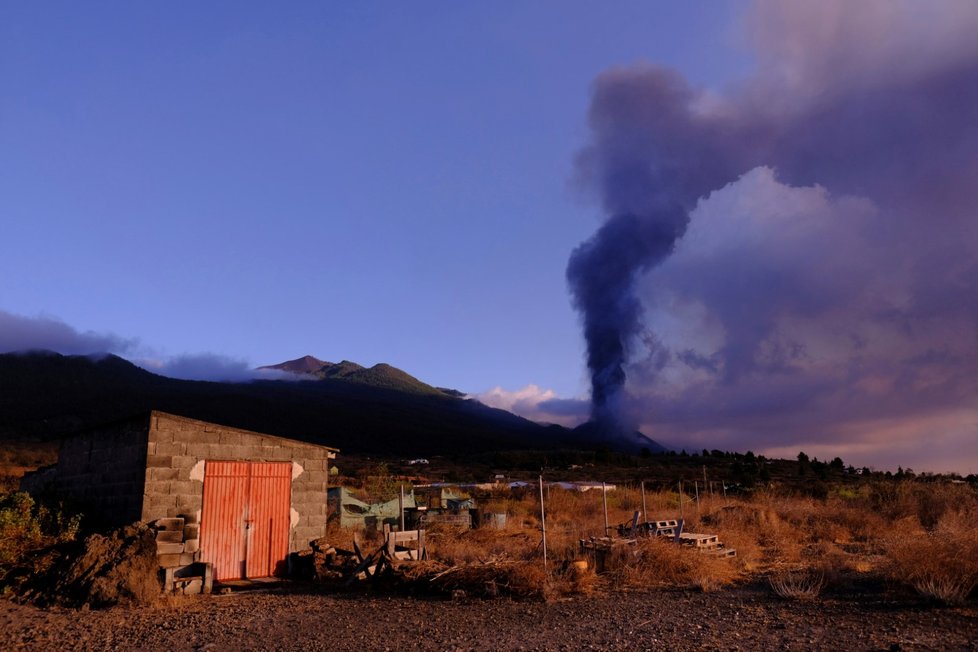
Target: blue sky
[
  {"x": 371, "y": 181},
  {"x": 207, "y": 187}
]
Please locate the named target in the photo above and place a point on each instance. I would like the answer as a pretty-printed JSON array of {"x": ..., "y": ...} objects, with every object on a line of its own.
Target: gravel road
[{"x": 746, "y": 618}]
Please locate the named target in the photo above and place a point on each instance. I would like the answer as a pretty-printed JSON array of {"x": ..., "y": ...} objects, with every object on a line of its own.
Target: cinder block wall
[
  {"x": 178, "y": 448},
  {"x": 103, "y": 472}
]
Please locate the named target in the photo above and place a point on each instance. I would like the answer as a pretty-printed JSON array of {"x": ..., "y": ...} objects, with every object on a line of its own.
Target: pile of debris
[
  {"x": 401, "y": 562},
  {"x": 598, "y": 549},
  {"x": 102, "y": 570},
  {"x": 334, "y": 565}
]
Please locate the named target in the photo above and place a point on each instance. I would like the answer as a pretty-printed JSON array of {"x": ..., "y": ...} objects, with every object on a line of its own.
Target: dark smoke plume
[
  {"x": 652, "y": 156},
  {"x": 602, "y": 273}
]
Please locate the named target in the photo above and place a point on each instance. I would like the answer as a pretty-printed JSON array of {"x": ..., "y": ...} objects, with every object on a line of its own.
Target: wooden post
[
  {"x": 543, "y": 526},
  {"x": 696, "y": 490},
  {"x": 400, "y": 508},
  {"x": 645, "y": 513},
  {"x": 680, "y": 499},
  {"x": 604, "y": 500}
]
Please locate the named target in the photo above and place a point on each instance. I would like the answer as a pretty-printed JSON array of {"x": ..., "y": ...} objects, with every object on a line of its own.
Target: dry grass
[
  {"x": 660, "y": 563},
  {"x": 941, "y": 564},
  {"x": 804, "y": 584},
  {"x": 917, "y": 533}
]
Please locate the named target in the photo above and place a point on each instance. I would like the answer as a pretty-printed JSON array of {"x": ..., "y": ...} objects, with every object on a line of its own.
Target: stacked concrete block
[{"x": 178, "y": 552}]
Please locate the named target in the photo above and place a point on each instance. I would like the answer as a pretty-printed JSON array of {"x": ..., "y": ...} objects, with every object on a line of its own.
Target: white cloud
[{"x": 536, "y": 404}]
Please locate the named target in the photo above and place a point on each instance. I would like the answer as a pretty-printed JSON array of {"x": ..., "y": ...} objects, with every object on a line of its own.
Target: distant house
[{"x": 240, "y": 500}]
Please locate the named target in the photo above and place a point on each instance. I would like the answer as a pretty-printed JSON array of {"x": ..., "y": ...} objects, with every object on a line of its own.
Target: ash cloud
[{"x": 824, "y": 290}]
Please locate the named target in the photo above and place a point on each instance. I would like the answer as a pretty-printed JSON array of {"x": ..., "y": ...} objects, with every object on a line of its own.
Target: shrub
[
  {"x": 803, "y": 584},
  {"x": 26, "y": 524},
  {"x": 657, "y": 562},
  {"x": 941, "y": 564}
]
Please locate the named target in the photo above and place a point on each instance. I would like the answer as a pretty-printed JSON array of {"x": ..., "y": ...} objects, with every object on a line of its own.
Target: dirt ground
[{"x": 295, "y": 618}]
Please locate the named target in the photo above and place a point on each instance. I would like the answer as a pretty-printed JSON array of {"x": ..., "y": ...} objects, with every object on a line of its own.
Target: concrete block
[
  {"x": 169, "y": 560},
  {"x": 182, "y": 487},
  {"x": 275, "y": 453},
  {"x": 162, "y": 474},
  {"x": 165, "y": 461},
  {"x": 191, "y": 531},
  {"x": 189, "y": 557},
  {"x": 191, "y": 545},
  {"x": 188, "y": 503},
  {"x": 208, "y": 577},
  {"x": 244, "y": 452},
  {"x": 190, "y": 519},
  {"x": 173, "y": 448},
  {"x": 216, "y": 452},
  {"x": 169, "y": 548},
  {"x": 170, "y": 524},
  {"x": 169, "y": 536},
  {"x": 161, "y": 436},
  {"x": 155, "y": 503},
  {"x": 183, "y": 461},
  {"x": 156, "y": 488},
  {"x": 198, "y": 449},
  {"x": 208, "y": 436},
  {"x": 193, "y": 587}
]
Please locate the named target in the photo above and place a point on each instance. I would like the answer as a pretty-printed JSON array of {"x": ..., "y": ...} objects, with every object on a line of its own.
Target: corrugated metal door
[
  {"x": 269, "y": 502},
  {"x": 244, "y": 527}
]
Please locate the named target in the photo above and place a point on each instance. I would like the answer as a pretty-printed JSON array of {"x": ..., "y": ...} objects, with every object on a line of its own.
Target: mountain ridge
[
  {"x": 46, "y": 396},
  {"x": 381, "y": 374}
]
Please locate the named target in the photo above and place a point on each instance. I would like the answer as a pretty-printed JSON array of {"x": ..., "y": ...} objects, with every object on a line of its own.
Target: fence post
[
  {"x": 543, "y": 526},
  {"x": 645, "y": 512},
  {"x": 680, "y": 499},
  {"x": 400, "y": 508},
  {"x": 604, "y": 500}
]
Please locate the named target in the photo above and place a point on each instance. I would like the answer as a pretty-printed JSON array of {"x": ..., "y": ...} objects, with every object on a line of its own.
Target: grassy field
[{"x": 910, "y": 533}]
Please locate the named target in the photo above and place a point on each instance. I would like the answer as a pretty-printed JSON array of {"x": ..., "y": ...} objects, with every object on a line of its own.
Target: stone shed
[{"x": 238, "y": 500}]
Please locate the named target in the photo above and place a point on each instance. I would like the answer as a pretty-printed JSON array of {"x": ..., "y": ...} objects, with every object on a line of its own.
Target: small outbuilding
[{"x": 238, "y": 500}]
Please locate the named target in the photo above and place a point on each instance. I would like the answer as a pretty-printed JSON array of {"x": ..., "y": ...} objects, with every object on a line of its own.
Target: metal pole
[
  {"x": 645, "y": 512},
  {"x": 543, "y": 526},
  {"x": 400, "y": 507},
  {"x": 604, "y": 499}
]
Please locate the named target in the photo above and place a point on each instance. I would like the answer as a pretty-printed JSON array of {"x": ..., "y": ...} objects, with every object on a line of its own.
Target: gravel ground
[{"x": 747, "y": 618}]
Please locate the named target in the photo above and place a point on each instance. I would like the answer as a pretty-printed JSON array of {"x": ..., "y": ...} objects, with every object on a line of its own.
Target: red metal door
[
  {"x": 244, "y": 527},
  {"x": 269, "y": 503}
]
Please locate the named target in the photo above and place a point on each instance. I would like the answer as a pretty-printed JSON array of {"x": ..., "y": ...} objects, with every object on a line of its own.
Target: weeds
[
  {"x": 941, "y": 564},
  {"x": 804, "y": 584},
  {"x": 660, "y": 563},
  {"x": 917, "y": 533},
  {"x": 26, "y": 524}
]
